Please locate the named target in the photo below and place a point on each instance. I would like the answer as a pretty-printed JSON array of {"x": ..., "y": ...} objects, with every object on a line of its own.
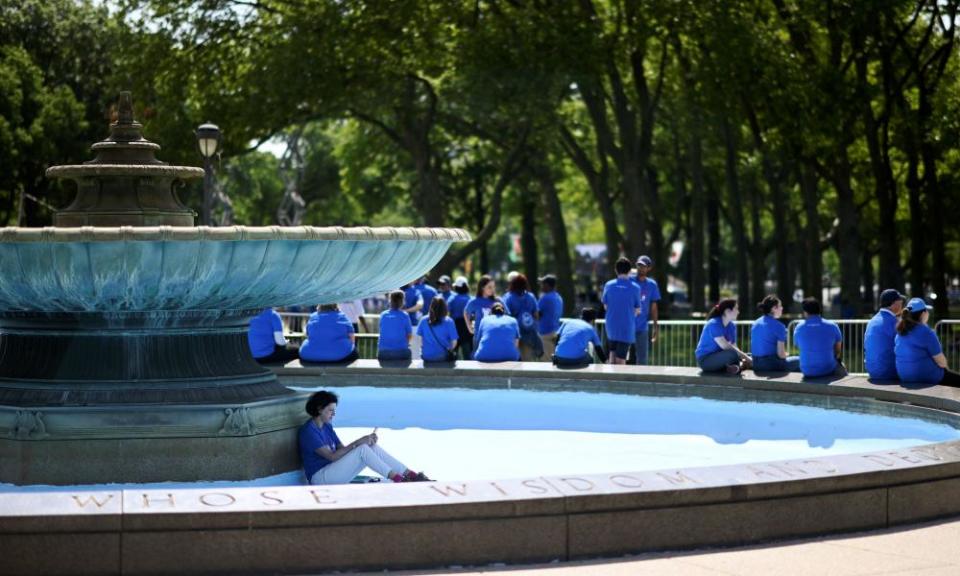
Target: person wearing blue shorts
[
  {"x": 919, "y": 356},
  {"x": 768, "y": 340},
  {"x": 621, "y": 298}
]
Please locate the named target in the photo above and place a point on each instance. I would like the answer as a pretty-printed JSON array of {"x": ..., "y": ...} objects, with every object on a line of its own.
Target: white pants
[{"x": 346, "y": 468}]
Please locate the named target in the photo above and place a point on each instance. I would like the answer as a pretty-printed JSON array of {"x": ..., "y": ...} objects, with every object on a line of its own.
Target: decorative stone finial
[{"x": 125, "y": 109}]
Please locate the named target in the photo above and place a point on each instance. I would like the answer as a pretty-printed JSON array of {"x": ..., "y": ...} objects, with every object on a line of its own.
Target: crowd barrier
[{"x": 678, "y": 339}]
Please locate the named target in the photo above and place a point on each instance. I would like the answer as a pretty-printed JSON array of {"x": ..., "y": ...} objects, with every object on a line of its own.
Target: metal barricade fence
[
  {"x": 678, "y": 339},
  {"x": 948, "y": 331}
]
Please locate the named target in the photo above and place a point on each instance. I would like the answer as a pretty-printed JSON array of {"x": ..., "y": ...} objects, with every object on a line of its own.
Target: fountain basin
[{"x": 521, "y": 519}]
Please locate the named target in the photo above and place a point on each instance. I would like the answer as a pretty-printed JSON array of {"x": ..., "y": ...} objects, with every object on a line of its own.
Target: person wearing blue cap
[
  {"x": 819, "y": 341},
  {"x": 919, "y": 356},
  {"x": 649, "y": 297},
  {"x": 878, "y": 340}
]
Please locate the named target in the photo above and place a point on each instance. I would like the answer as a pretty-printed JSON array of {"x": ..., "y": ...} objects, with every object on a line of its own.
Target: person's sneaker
[
  {"x": 733, "y": 369},
  {"x": 397, "y": 478},
  {"x": 421, "y": 477}
]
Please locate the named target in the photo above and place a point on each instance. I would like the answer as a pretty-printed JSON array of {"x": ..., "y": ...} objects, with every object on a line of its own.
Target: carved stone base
[{"x": 185, "y": 443}]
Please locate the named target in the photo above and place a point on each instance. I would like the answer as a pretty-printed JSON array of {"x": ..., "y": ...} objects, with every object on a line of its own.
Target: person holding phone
[{"x": 327, "y": 461}]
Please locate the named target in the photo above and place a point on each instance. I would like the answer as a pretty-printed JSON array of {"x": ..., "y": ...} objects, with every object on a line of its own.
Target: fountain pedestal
[{"x": 123, "y": 348}]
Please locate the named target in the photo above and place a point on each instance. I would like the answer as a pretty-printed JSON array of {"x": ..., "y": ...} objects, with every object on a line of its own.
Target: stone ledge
[{"x": 227, "y": 233}]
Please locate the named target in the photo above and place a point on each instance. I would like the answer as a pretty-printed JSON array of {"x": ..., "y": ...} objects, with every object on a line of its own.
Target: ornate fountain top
[{"x": 125, "y": 185}]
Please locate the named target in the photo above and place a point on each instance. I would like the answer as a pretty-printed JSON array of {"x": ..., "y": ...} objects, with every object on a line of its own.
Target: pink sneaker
[{"x": 397, "y": 478}]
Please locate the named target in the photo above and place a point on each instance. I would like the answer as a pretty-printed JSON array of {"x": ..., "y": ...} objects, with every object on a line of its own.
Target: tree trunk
[
  {"x": 478, "y": 215},
  {"x": 849, "y": 231},
  {"x": 697, "y": 192},
  {"x": 713, "y": 239},
  {"x": 758, "y": 258},
  {"x": 866, "y": 274},
  {"x": 553, "y": 215},
  {"x": 736, "y": 213},
  {"x": 528, "y": 236},
  {"x": 918, "y": 254},
  {"x": 658, "y": 245},
  {"x": 812, "y": 254}
]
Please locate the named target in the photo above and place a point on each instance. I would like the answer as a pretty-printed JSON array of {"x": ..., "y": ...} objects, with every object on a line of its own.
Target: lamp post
[{"x": 208, "y": 141}]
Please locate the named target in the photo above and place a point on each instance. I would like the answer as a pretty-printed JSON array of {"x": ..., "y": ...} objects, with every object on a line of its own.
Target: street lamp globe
[{"x": 208, "y": 139}]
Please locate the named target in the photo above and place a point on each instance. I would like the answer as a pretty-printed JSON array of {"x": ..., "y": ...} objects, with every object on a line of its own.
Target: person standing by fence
[
  {"x": 522, "y": 305},
  {"x": 551, "y": 309},
  {"x": 768, "y": 340},
  {"x": 919, "y": 356},
  {"x": 878, "y": 342},
  {"x": 480, "y": 306},
  {"x": 621, "y": 297},
  {"x": 649, "y": 312},
  {"x": 717, "y": 350},
  {"x": 456, "y": 306}
]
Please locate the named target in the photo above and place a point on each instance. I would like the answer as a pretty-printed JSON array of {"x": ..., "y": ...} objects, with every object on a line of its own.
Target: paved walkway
[{"x": 920, "y": 550}]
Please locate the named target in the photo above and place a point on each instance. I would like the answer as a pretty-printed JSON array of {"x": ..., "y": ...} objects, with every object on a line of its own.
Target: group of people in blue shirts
[{"x": 898, "y": 344}]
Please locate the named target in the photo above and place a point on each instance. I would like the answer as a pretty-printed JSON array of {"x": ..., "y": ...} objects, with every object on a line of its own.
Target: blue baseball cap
[{"x": 916, "y": 305}]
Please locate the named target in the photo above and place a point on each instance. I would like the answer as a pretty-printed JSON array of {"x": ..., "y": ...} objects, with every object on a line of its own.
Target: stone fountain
[{"x": 123, "y": 352}]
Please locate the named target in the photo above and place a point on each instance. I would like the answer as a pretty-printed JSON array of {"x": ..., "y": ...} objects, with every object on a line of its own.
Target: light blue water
[{"x": 461, "y": 434}]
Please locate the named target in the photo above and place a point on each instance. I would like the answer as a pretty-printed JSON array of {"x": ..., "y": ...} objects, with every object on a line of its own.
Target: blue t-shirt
[
  {"x": 428, "y": 293},
  {"x": 394, "y": 328},
  {"x": 573, "y": 337},
  {"x": 878, "y": 355},
  {"x": 260, "y": 334},
  {"x": 478, "y": 308},
  {"x": 436, "y": 339},
  {"x": 764, "y": 335},
  {"x": 411, "y": 295},
  {"x": 621, "y": 297},
  {"x": 456, "y": 304},
  {"x": 497, "y": 336},
  {"x": 522, "y": 307},
  {"x": 551, "y": 308},
  {"x": 815, "y": 338},
  {"x": 714, "y": 328},
  {"x": 328, "y": 337},
  {"x": 649, "y": 293},
  {"x": 447, "y": 296},
  {"x": 312, "y": 437},
  {"x": 914, "y": 353}
]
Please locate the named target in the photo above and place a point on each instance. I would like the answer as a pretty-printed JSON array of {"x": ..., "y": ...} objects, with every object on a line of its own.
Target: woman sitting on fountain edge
[{"x": 327, "y": 461}]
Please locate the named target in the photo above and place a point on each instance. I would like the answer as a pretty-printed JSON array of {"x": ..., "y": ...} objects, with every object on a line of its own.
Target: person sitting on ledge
[
  {"x": 497, "y": 337},
  {"x": 768, "y": 340},
  {"x": 820, "y": 343},
  {"x": 327, "y": 461},
  {"x": 395, "y": 331},
  {"x": 574, "y": 338},
  {"x": 266, "y": 340},
  {"x": 330, "y": 337},
  {"x": 438, "y": 333},
  {"x": 878, "y": 341},
  {"x": 717, "y": 349},
  {"x": 919, "y": 356}
]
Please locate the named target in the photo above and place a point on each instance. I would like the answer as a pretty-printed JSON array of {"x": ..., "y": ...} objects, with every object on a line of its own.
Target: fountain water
[{"x": 123, "y": 353}]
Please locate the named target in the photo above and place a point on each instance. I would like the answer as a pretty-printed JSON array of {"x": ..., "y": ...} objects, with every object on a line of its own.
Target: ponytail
[{"x": 721, "y": 307}]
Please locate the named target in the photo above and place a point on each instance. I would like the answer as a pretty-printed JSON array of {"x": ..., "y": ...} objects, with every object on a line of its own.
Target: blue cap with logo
[{"x": 916, "y": 305}]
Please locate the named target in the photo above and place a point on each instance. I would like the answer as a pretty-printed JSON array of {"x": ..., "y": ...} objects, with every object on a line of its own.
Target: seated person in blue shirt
[
  {"x": 919, "y": 356},
  {"x": 456, "y": 306},
  {"x": 266, "y": 340},
  {"x": 621, "y": 298},
  {"x": 551, "y": 308},
  {"x": 522, "y": 305},
  {"x": 819, "y": 341},
  {"x": 327, "y": 461},
  {"x": 395, "y": 331},
  {"x": 878, "y": 340},
  {"x": 438, "y": 333},
  {"x": 497, "y": 337},
  {"x": 768, "y": 340},
  {"x": 574, "y": 338},
  {"x": 717, "y": 350},
  {"x": 330, "y": 337}
]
